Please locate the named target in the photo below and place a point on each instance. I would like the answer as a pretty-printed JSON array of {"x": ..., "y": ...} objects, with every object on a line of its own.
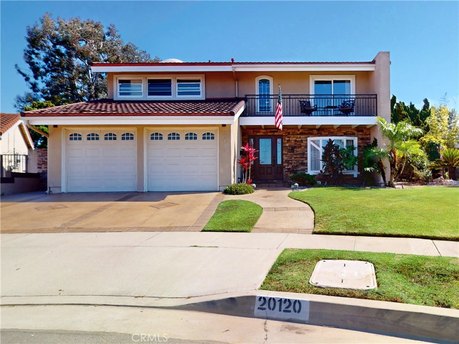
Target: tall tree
[
  {"x": 443, "y": 128},
  {"x": 409, "y": 113},
  {"x": 59, "y": 54}
]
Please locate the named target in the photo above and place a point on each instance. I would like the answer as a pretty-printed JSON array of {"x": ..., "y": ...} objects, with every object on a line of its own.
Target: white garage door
[
  {"x": 101, "y": 160},
  {"x": 182, "y": 160}
]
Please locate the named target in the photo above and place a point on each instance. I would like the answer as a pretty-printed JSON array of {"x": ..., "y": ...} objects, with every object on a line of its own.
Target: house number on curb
[{"x": 281, "y": 308}]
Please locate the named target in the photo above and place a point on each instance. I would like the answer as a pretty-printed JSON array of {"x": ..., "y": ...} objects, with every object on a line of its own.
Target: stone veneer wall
[{"x": 295, "y": 142}]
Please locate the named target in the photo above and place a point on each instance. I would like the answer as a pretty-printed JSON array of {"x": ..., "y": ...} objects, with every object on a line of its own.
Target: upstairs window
[
  {"x": 188, "y": 88},
  {"x": 159, "y": 87},
  {"x": 130, "y": 88},
  {"x": 264, "y": 87}
]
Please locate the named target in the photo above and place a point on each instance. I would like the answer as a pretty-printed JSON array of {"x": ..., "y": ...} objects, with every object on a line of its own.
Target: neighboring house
[
  {"x": 16, "y": 144},
  {"x": 179, "y": 126}
]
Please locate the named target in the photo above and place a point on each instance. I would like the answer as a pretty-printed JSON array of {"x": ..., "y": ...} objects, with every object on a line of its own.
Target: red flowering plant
[{"x": 246, "y": 161}]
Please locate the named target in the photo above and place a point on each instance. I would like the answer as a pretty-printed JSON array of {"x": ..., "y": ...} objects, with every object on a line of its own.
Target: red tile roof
[
  {"x": 7, "y": 121},
  {"x": 107, "y": 107}
]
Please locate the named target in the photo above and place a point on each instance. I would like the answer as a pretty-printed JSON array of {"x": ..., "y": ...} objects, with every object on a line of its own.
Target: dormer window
[
  {"x": 160, "y": 87},
  {"x": 188, "y": 88}
]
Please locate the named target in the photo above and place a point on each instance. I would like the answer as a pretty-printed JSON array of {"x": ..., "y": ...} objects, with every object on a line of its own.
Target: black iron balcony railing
[
  {"x": 312, "y": 105},
  {"x": 13, "y": 163}
]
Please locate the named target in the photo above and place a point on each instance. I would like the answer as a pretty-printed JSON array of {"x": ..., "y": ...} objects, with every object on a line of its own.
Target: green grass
[
  {"x": 234, "y": 216},
  {"x": 420, "y": 280},
  {"x": 423, "y": 212}
]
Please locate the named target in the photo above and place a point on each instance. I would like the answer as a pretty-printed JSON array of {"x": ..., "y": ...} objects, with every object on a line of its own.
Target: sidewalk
[{"x": 281, "y": 214}]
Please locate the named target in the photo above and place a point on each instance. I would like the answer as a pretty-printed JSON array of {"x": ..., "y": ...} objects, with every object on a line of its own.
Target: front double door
[{"x": 268, "y": 166}]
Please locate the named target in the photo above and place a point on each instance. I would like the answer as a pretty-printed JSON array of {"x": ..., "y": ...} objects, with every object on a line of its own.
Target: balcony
[{"x": 300, "y": 105}]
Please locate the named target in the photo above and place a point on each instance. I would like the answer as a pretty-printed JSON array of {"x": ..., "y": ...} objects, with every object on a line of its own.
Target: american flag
[{"x": 278, "y": 116}]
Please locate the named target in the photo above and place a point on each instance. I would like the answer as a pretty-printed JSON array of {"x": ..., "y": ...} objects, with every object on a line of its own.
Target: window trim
[
  {"x": 313, "y": 78},
  {"x": 355, "y": 140},
  {"x": 271, "y": 91}
]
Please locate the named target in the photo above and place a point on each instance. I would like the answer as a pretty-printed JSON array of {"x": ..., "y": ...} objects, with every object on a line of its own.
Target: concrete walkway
[{"x": 281, "y": 214}]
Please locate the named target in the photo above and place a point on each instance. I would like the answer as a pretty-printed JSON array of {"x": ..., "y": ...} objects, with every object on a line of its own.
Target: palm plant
[
  {"x": 372, "y": 160},
  {"x": 399, "y": 146},
  {"x": 450, "y": 160}
]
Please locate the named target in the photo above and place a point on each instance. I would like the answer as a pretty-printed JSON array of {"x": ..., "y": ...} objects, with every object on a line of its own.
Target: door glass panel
[
  {"x": 341, "y": 87},
  {"x": 265, "y": 151},
  {"x": 322, "y": 87},
  {"x": 279, "y": 152}
]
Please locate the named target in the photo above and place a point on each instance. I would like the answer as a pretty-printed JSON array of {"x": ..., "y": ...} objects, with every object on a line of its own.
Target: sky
[{"x": 422, "y": 36}]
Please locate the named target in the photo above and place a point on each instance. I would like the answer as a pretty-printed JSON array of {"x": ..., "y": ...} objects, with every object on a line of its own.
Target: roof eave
[{"x": 294, "y": 67}]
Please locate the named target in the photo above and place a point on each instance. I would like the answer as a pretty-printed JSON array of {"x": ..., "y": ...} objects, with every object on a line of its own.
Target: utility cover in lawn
[{"x": 348, "y": 274}]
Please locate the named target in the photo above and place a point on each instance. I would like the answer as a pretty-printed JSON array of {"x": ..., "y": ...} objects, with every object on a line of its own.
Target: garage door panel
[
  {"x": 182, "y": 165},
  {"x": 101, "y": 165}
]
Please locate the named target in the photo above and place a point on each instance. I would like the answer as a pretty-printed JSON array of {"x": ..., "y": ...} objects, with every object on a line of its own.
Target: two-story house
[{"x": 179, "y": 126}]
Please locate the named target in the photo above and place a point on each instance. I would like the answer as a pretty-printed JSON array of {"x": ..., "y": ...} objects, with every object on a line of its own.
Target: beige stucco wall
[
  {"x": 225, "y": 147},
  {"x": 54, "y": 158},
  {"x": 228, "y": 85},
  {"x": 13, "y": 142}
]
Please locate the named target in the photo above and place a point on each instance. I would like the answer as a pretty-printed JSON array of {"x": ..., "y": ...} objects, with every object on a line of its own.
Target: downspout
[{"x": 236, "y": 81}]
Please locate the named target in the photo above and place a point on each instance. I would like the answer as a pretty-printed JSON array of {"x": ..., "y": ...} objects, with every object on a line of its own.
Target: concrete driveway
[{"x": 102, "y": 212}]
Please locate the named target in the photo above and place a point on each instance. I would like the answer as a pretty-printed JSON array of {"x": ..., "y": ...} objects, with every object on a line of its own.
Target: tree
[
  {"x": 400, "y": 146},
  {"x": 59, "y": 54},
  {"x": 443, "y": 128},
  {"x": 409, "y": 113}
]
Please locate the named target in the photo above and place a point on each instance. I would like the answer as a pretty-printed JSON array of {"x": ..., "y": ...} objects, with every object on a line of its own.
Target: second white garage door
[{"x": 182, "y": 160}]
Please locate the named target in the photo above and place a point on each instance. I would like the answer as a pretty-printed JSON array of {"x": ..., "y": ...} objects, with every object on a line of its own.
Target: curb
[
  {"x": 416, "y": 322},
  {"x": 424, "y": 323}
]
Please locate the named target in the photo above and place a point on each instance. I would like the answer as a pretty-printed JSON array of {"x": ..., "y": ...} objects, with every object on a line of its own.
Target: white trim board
[
  {"x": 319, "y": 67},
  {"x": 132, "y": 120},
  {"x": 313, "y": 120}
]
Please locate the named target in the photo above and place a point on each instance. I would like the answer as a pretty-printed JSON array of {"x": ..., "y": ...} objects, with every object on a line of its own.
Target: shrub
[
  {"x": 303, "y": 179},
  {"x": 239, "y": 189},
  {"x": 335, "y": 161}
]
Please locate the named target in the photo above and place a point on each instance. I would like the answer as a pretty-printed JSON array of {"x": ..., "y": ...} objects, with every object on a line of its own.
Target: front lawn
[
  {"x": 420, "y": 280},
  {"x": 423, "y": 212},
  {"x": 234, "y": 216}
]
